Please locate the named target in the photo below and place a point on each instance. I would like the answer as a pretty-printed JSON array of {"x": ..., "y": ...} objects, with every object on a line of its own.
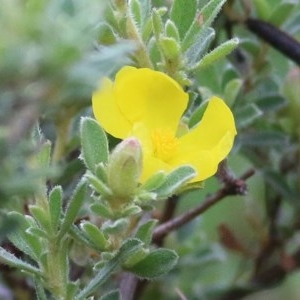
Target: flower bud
[{"x": 124, "y": 169}]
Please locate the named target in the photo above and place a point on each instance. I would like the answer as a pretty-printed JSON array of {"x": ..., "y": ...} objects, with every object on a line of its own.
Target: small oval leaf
[
  {"x": 94, "y": 143},
  {"x": 157, "y": 263}
]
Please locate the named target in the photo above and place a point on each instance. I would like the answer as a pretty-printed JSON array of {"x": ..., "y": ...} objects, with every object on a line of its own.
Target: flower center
[{"x": 164, "y": 143}]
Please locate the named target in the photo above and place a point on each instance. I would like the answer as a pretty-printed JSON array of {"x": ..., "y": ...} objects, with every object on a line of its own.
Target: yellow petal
[
  {"x": 152, "y": 165},
  {"x": 151, "y": 97},
  {"x": 107, "y": 112},
  {"x": 209, "y": 142}
]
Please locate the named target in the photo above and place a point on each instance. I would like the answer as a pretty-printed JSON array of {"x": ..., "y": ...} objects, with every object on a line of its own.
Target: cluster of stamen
[{"x": 164, "y": 143}]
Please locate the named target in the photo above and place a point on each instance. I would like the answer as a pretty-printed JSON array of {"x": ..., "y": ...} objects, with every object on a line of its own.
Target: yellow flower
[{"x": 148, "y": 105}]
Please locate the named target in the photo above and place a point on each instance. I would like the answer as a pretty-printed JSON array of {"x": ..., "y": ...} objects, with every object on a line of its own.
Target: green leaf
[
  {"x": 42, "y": 217},
  {"x": 37, "y": 232},
  {"x": 44, "y": 155},
  {"x": 144, "y": 199},
  {"x": 147, "y": 30},
  {"x": 265, "y": 138},
  {"x": 171, "y": 31},
  {"x": 281, "y": 12},
  {"x": 262, "y": 8},
  {"x": 145, "y": 10},
  {"x": 216, "y": 54},
  {"x": 17, "y": 237},
  {"x": 279, "y": 183},
  {"x": 101, "y": 210},
  {"x": 116, "y": 226},
  {"x": 55, "y": 206},
  {"x": 154, "y": 181},
  {"x": 136, "y": 258},
  {"x": 99, "y": 186},
  {"x": 131, "y": 210},
  {"x": 232, "y": 90},
  {"x": 157, "y": 23},
  {"x": 144, "y": 232},
  {"x": 210, "y": 11},
  {"x": 170, "y": 47},
  {"x": 157, "y": 263},
  {"x": 112, "y": 295},
  {"x": 73, "y": 207},
  {"x": 95, "y": 235},
  {"x": 183, "y": 13},
  {"x": 39, "y": 289},
  {"x": 79, "y": 236},
  {"x": 106, "y": 34},
  {"x": 197, "y": 115},
  {"x": 101, "y": 172},
  {"x": 202, "y": 22},
  {"x": 128, "y": 249},
  {"x": 19, "y": 242},
  {"x": 136, "y": 11},
  {"x": 64, "y": 251},
  {"x": 247, "y": 115},
  {"x": 15, "y": 262},
  {"x": 43, "y": 158},
  {"x": 72, "y": 289},
  {"x": 34, "y": 242},
  {"x": 199, "y": 47},
  {"x": 94, "y": 144},
  {"x": 230, "y": 73},
  {"x": 175, "y": 180},
  {"x": 154, "y": 51},
  {"x": 271, "y": 103}
]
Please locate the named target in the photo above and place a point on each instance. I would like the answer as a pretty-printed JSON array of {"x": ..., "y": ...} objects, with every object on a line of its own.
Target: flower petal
[
  {"x": 151, "y": 164},
  {"x": 106, "y": 111},
  {"x": 151, "y": 97},
  {"x": 209, "y": 142}
]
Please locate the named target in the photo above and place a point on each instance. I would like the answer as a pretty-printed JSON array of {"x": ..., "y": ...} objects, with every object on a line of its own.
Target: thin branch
[
  {"x": 280, "y": 40},
  {"x": 231, "y": 187},
  {"x": 180, "y": 294},
  {"x": 128, "y": 285},
  {"x": 167, "y": 215}
]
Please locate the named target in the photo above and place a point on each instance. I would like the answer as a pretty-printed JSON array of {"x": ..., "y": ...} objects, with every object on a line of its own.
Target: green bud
[
  {"x": 170, "y": 47},
  {"x": 171, "y": 30},
  {"x": 124, "y": 169},
  {"x": 136, "y": 10},
  {"x": 157, "y": 23}
]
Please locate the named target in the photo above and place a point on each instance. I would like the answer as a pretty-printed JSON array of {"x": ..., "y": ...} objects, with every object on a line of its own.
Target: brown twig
[
  {"x": 128, "y": 285},
  {"x": 231, "y": 187},
  {"x": 167, "y": 215},
  {"x": 280, "y": 40}
]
